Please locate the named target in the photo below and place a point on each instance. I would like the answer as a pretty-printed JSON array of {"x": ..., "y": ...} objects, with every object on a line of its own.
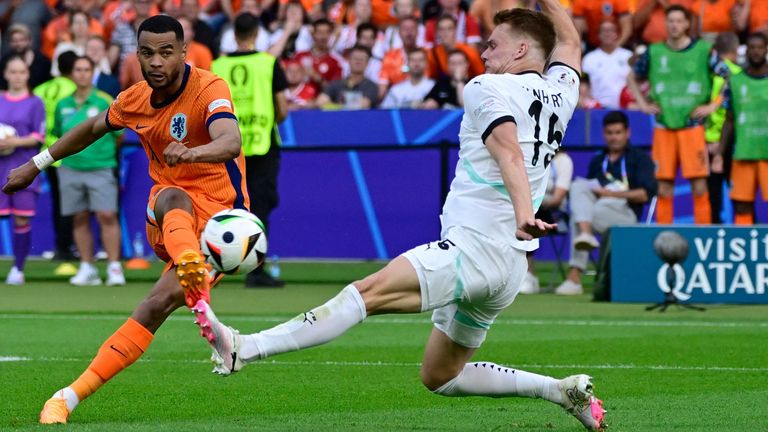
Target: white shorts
[{"x": 467, "y": 279}]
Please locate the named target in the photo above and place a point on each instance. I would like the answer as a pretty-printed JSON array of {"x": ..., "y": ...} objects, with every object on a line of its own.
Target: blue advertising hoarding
[{"x": 725, "y": 264}]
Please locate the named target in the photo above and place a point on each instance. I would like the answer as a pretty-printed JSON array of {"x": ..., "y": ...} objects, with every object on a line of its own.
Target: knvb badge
[{"x": 179, "y": 126}]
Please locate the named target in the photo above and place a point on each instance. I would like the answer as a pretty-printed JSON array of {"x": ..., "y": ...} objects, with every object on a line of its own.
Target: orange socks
[
  {"x": 664, "y": 210},
  {"x": 743, "y": 219},
  {"x": 179, "y": 233},
  {"x": 118, "y": 352},
  {"x": 702, "y": 209}
]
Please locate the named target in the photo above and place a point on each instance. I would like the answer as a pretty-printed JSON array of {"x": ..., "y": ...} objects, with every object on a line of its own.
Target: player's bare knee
[
  {"x": 169, "y": 199},
  {"x": 433, "y": 378},
  {"x": 370, "y": 290}
]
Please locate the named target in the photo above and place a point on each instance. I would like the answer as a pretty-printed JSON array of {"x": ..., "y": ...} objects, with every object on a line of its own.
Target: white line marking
[
  {"x": 415, "y": 364},
  {"x": 398, "y": 320}
]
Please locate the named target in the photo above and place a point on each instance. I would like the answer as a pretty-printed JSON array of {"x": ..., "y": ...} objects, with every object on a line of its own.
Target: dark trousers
[
  {"x": 62, "y": 224},
  {"x": 261, "y": 177}
]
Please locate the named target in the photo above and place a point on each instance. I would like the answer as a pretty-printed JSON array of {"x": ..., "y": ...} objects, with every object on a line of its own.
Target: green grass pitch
[{"x": 676, "y": 371}]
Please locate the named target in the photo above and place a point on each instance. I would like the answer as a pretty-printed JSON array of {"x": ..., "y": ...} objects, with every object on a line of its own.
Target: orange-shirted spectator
[
  {"x": 650, "y": 19},
  {"x": 394, "y": 64},
  {"x": 342, "y": 12},
  {"x": 752, "y": 14},
  {"x": 198, "y": 55},
  {"x": 122, "y": 11},
  {"x": 588, "y": 14},
  {"x": 715, "y": 16},
  {"x": 404, "y": 9},
  {"x": 58, "y": 31},
  {"x": 467, "y": 28},
  {"x": 484, "y": 10},
  {"x": 446, "y": 42}
]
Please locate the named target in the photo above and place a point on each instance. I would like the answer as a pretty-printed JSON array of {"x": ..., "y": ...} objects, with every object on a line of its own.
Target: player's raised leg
[
  {"x": 393, "y": 289},
  {"x": 174, "y": 213},
  {"x": 120, "y": 350},
  {"x": 446, "y": 372}
]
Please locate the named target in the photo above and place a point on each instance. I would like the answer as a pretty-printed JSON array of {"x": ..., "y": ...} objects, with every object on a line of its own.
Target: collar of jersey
[{"x": 173, "y": 97}]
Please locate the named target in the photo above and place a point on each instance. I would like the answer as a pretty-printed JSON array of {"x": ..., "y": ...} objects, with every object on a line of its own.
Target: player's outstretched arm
[
  {"x": 568, "y": 47},
  {"x": 225, "y": 145},
  {"x": 74, "y": 141},
  {"x": 503, "y": 146}
]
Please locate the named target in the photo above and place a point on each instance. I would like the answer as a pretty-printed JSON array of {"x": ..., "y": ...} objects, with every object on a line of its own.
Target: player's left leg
[
  {"x": 120, "y": 350},
  {"x": 175, "y": 215},
  {"x": 445, "y": 371}
]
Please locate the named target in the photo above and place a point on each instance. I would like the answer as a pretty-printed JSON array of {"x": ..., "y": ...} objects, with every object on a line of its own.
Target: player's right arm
[
  {"x": 74, "y": 141},
  {"x": 568, "y": 47}
]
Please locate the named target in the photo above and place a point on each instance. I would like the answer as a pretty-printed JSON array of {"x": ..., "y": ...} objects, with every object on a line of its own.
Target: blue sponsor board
[{"x": 725, "y": 264}]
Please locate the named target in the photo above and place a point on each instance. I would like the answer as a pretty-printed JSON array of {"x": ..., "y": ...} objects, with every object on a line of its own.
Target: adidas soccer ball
[
  {"x": 234, "y": 241},
  {"x": 6, "y": 131}
]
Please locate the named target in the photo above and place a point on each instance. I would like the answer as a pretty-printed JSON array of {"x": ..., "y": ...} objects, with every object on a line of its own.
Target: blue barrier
[{"x": 347, "y": 188}]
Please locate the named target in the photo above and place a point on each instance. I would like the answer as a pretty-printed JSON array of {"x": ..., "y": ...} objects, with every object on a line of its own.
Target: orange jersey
[{"x": 202, "y": 98}]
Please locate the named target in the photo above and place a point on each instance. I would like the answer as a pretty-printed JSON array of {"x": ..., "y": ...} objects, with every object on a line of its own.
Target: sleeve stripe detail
[
  {"x": 219, "y": 115},
  {"x": 565, "y": 65},
  {"x": 498, "y": 121},
  {"x": 109, "y": 125}
]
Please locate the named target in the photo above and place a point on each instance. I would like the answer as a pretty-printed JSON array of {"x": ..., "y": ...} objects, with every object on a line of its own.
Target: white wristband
[{"x": 43, "y": 160}]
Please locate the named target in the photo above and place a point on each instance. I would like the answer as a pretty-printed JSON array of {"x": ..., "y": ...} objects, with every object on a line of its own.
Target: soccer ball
[
  {"x": 234, "y": 241},
  {"x": 6, "y": 131}
]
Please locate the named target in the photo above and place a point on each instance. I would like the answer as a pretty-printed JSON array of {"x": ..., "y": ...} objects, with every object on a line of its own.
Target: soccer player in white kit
[{"x": 514, "y": 121}]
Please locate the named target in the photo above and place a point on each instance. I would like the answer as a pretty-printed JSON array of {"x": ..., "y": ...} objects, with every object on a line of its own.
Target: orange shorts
[
  {"x": 746, "y": 176},
  {"x": 685, "y": 147},
  {"x": 202, "y": 210}
]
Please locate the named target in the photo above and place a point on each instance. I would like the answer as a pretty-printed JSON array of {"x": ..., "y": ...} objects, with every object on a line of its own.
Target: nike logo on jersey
[
  {"x": 138, "y": 126},
  {"x": 118, "y": 351}
]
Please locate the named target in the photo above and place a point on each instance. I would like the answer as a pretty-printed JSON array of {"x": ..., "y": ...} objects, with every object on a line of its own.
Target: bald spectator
[
  {"x": 20, "y": 43},
  {"x": 607, "y": 66}
]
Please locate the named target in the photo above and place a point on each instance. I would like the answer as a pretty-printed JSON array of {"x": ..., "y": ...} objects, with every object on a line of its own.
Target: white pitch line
[
  {"x": 415, "y": 364},
  {"x": 400, "y": 320}
]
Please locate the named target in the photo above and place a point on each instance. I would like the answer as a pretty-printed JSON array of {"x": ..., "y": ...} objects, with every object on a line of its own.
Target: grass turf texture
[{"x": 677, "y": 371}]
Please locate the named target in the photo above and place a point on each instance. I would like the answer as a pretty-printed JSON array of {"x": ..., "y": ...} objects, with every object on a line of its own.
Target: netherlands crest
[{"x": 179, "y": 126}]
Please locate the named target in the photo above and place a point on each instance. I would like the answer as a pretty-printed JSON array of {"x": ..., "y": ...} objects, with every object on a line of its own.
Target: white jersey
[{"x": 541, "y": 107}]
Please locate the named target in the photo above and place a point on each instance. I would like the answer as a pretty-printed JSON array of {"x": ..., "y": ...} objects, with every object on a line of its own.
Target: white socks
[
  {"x": 69, "y": 396},
  {"x": 315, "y": 327},
  {"x": 490, "y": 379}
]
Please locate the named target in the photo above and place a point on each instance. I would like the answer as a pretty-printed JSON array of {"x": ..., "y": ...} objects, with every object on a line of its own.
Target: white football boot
[{"x": 579, "y": 401}]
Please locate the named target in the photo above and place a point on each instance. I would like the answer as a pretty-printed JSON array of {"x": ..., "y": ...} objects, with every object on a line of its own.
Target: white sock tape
[{"x": 43, "y": 160}]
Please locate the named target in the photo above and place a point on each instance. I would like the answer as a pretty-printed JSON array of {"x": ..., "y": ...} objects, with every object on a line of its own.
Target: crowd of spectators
[{"x": 324, "y": 45}]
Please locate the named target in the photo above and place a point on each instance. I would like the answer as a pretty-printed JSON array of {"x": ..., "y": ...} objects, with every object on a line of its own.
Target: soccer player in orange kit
[{"x": 185, "y": 121}]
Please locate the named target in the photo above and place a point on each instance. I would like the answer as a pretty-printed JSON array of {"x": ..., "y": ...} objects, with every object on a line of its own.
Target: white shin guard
[{"x": 318, "y": 326}]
